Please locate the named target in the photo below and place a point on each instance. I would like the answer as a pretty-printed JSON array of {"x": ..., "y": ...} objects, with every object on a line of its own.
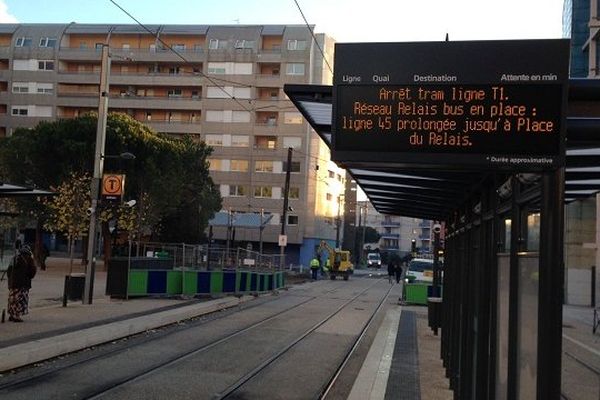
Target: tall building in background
[
  {"x": 220, "y": 84},
  {"x": 396, "y": 233},
  {"x": 581, "y": 25}
]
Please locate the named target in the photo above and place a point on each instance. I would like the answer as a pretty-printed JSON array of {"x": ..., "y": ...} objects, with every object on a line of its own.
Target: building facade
[
  {"x": 396, "y": 233},
  {"x": 220, "y": 84}
]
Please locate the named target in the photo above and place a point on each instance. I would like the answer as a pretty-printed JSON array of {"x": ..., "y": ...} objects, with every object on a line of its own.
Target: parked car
[
  {"x": 373, "y": 260},
  {"x": 421, "y": 269}
]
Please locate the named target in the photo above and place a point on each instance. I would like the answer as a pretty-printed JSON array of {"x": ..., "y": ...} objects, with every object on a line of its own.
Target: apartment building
[
  {"x": 220, "y": 84},
  {"x": 396, "y": 233}
]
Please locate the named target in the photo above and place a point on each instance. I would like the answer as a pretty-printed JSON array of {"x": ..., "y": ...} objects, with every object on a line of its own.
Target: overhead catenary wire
[{"x": 313, "y": 36}]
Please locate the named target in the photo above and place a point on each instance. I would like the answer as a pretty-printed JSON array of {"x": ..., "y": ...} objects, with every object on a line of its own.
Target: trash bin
[
  {"x": 74, "y": 284},
  {"x": 434, "y": 313}
]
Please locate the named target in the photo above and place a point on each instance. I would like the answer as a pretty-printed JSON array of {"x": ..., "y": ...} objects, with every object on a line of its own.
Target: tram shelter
[{"x": 499, "y": 188}]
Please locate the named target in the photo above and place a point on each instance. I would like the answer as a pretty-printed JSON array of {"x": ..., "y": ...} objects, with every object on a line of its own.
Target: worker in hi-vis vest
[
  {"x": 327, "y": 266},
  {"x": 314, "y": 267}
]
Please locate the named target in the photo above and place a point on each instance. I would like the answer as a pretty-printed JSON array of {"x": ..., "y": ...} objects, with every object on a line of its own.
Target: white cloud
[{"x": 5, "y": 16}]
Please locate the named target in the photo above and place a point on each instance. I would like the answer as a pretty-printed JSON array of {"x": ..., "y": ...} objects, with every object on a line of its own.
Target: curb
[{"x": 23, "y": 354}]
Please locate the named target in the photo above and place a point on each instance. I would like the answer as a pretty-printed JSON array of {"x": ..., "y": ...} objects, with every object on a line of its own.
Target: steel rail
[
  {"x": 242, "y": 381},
  {"x": 332, "y": 381},
  {"x": 31, "y": 379}
]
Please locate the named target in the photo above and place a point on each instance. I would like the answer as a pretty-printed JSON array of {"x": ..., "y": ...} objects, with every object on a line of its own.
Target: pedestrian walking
[
  {"x": 398, "y": 272},
  {"x": 314, "y": 267},
  {"x": 20, "y": 273},
  {"x": 43, "y": 256},
  {"x": 391, "y": 271}
]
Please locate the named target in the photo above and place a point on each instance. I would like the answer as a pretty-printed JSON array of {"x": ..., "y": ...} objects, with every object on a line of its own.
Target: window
[
  {"x": 20, "y": 87},
  {"x": 125, "y": 46},
  {"x": 296, "y": 44},
  {"x": 339, "y": 177},
  {"x": 237, "y": 190},
  {"x": 244, "y": 44},
  {"x": 48, "y": 42},
  {"x": 23, "y": 42},
  {"x": 178, "y": 47},
  {"x": 174, "y": 70},
  {"x": 230, "y": 68},
  {"x": 148, "y": 116},
  {"x": 46, "y": 65},
  {"x": 329, "y": 197},
  {"x": 214, "y": 140},
  {"x": 294, "y": 193},
  {"x": 265, "y": 142},
  {"x": 331, "y": 174},
  {"x": 239, "y": 165},
  {"x": 240, "y": 141},
  {"x": 215, "y": 44},
  {"x": 174, "y": 93},
  {"x": 292, "y": 118},
  {"x": 294, "y": 167},
  {"x": 293, "y": 142},
  {"x": 226, "y": 92},
  {"x": 263, "y": 191},
  {"x": 292, "y": 220},
  {"x": 263, "y": 166},
  {"x": 214, "y": 165},
  {"x": 83, "y": 45},
  {"x": 227, "y": 116},
  {"x": 20, "y": 111},
  {"x": 45, "y": 88},
  {"x": 98, "y": 46},
  {"x": 294, "y": 69}
]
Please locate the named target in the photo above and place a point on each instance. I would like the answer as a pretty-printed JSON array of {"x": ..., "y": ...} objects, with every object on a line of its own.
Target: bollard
[
  {"x": 66, "y": 288},
  {"x": 3, "y": 315}
]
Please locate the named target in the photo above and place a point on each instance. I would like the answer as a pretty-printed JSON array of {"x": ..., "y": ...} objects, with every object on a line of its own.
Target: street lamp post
[{"x": 88, "y": 292}]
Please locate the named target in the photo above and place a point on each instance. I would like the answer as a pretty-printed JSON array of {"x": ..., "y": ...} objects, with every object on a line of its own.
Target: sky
[{"x": 344, "y": 20}]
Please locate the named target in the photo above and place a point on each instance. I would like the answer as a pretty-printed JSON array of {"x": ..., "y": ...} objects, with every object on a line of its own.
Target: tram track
[
  {"x": 106, "y": 354},
  {"x": 232, "y": 389},
  {"x": 582, "y": 365}
]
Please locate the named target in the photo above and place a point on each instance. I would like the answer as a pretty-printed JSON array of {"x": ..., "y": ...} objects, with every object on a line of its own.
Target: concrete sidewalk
[{"x": 51, "y": 330}]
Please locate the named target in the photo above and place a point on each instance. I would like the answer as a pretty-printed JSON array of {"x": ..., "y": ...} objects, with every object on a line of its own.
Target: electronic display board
[{"x": 489, "y": 104}]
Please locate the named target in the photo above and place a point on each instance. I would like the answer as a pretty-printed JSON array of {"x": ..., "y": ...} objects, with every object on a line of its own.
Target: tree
[
  {"x": 68, "y": 209},
  {"x": 371, "y": 235},
  {"x": 170, "y": 174}
]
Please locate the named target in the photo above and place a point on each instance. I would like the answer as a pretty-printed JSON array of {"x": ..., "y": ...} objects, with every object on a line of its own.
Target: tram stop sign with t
[
  {"x": 469, "y": 105},
  {"x": 113, "y": 187}
]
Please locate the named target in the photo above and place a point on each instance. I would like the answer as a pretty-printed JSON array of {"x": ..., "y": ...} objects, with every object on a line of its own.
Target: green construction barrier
[
  {"x": 416, "y": 293},
  {"x": 191, "y": 283},
  {"x": 173, "y": 282},
  {"x": 138, "y": 283}
]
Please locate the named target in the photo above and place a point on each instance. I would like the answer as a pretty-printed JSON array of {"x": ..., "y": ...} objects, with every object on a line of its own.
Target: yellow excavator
[{"x": 338, "y": 259}]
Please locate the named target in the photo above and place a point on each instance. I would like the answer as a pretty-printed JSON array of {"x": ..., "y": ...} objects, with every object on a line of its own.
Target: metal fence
[{"x": 204, "y": 257}]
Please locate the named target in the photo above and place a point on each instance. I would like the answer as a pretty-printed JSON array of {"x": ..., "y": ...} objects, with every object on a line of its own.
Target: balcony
[
  {"x": 390, "y": 224},
  {"x": 424, "y": 238},
  {"x": 133, "y": 54},
  {"x": 74, "y": 99},
  {"x": 174, "y": 126},
  {"x": 133, "y": 78},
  {"x": 268, "y": 55},
  {"x": 390, "y": 236}
]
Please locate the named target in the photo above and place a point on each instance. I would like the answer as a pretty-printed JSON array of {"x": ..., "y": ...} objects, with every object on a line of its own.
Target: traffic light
[{"x": 413, "y": 246}]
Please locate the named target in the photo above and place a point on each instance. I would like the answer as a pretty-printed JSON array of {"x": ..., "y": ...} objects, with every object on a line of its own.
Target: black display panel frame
[{"x": 520, "y": 84}]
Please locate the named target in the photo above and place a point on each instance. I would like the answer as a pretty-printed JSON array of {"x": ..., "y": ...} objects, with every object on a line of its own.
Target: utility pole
[
  {"x": 338, "y": 223},
  {"x": 362, "y": 241},
  {"x": 88, "y": 291},
  {"x": 286, "y": 198}
]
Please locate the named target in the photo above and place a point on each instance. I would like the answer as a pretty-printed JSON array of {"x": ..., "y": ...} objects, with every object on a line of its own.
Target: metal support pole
[
  {"x": 88, "y": 292},
  {"x": 338, "y": 223},
  {"x": 286, "y": 195},
  {"x": 260, "y": 239}
]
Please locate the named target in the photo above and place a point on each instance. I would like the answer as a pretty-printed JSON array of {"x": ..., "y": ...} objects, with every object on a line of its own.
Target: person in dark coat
[
  {"x": 398, "y": 271},
  {"x": 391, "y": 271},
  {"x": 20, "y": 273}
]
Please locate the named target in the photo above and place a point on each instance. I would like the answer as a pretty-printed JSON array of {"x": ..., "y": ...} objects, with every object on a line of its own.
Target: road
[{"x": 288, "y": 346}]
